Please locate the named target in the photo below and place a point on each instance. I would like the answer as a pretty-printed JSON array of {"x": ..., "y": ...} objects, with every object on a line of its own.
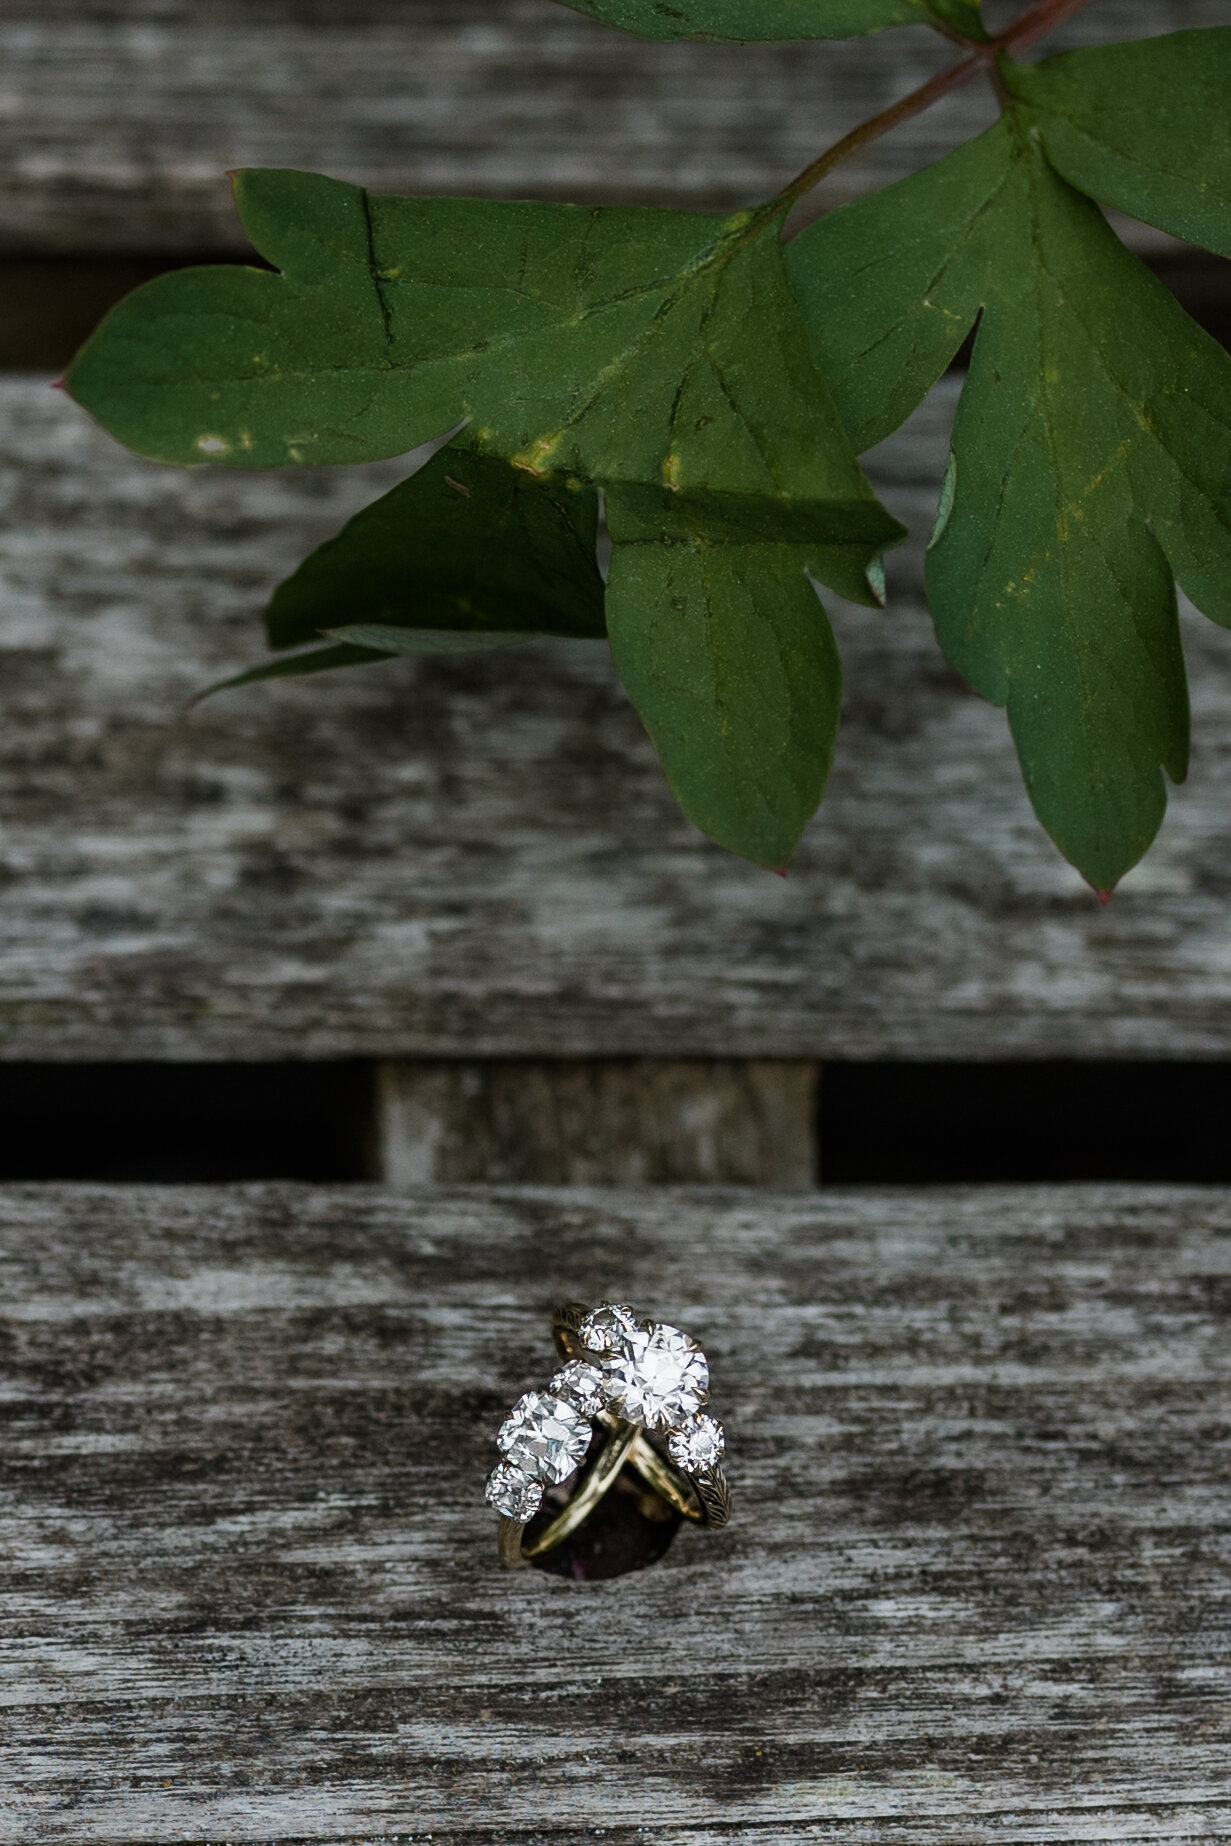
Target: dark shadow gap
[
  {"x": 933, "y": 1124},
  {"x": 917, "y": 1124},
  {"x": 181, "y": 1124},
  {"x": 50, "y": 305}
]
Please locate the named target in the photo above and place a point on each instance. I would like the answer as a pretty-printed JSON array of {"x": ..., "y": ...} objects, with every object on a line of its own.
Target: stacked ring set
[{"x": 646, "y": 1385}]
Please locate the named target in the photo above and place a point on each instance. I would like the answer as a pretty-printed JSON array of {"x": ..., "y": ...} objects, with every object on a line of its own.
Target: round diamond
[
  {"x": 659, "y": 1378},
  {"x": 582, "y": 1385},
  {"x": 698, "y": 1444},
  {"x": 606, "y": 1328},
  {"x": 544, "y": 1436},
  {"x": 512, "y": 1494}
]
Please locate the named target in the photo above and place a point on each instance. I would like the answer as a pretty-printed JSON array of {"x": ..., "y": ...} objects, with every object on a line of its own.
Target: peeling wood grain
[
  {"x": 578, "y": 1122},
  {"x": 120, "y": 119},
  {"x": 975, "y": 1592},
  {"x": 480, "y": 858}
]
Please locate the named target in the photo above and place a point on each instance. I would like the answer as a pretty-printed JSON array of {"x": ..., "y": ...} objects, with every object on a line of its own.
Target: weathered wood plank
[
  {"x": 578, "y": 1122},
  {"x": 975, "y": 1591},
  {"x": 480, "y": 858},
  {"x": 119, "y": 118}
]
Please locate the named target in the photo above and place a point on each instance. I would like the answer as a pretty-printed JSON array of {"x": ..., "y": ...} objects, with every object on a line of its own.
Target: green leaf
[
  {"x": 746, "y": 21},
  {"x": 724, "y": 648},
  {"x": 393, "y": 641},
  {"x": 467, "y": 545},
  {"x": 1145, "y": 127},
  {"x": 293, "y": 666},
  {"x": 1091, "y": 463},
  {"x": 466, "y": 555},
  {"x": 654, "y": 351},
  {"x": 891, "y": 284},
  {"x": 361, "y": 645},
  {"x": 610, "y": 344}
]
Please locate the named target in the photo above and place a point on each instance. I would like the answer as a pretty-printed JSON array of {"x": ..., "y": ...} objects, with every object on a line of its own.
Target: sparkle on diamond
[
  {"x": 580, "y": 1384},
  {"x": 698, "y": 1444},
  {"x": 512, "y": 1494},
  {"x": 544, "y": 1436},
  {"x": 606, "y": 1328},
  {"x": 657, "y": 1378}
]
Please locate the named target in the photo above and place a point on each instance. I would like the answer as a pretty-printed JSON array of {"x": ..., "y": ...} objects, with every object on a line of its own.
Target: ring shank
[{"x": 626, "y": 1444}]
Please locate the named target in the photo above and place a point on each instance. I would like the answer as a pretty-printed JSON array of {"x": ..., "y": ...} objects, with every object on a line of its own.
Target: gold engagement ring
[{"x": 646, "y": 1385}]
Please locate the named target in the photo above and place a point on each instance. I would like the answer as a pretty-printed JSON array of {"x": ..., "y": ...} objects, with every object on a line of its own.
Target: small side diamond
[
  {"x": 580, "y": 1384},
  {"x": 544, "y": 1436},
  {"x": 512, "y": 1494},
  {"x": 698, "y": 1444},
  {"x": 607, "y": 1328}
]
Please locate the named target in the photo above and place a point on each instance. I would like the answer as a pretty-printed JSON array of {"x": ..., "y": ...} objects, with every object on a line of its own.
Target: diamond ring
[{"x": 646, "y": 1385}]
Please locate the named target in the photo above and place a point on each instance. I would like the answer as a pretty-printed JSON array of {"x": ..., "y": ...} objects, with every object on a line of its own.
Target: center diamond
[
  {"x": 544, "y": 1437},
  {"x": 657, "y": 1377}
]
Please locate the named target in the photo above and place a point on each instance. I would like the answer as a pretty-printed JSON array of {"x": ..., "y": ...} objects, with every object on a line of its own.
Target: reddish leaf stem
[
  {"x": 1026, "y": 30},
  {"x": 871, "y": 130}
]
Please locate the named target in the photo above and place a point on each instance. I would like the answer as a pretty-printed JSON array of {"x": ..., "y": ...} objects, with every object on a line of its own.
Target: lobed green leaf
[
  {"x": 610, "y": 344},
  {"x": 890, "y": 285},
  {"x": 615, "y": 344},
  {"x": 468, "y": 546},
  {"x": 1091, "y": 464},
  {"x": 295, "y": 666},
  {"x": 645, "y": 352},
  {"x": 391, "y": 642},
  {"x": 724, "y": 648},
  {"x": 363, "y": 644},
  {"x": 1145, "y": 127}
]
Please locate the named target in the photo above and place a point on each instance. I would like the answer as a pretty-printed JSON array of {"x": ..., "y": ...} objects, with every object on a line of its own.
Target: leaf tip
[
  {"x": 1104, "y": 897},
  {"x": 58, "y": 384}
]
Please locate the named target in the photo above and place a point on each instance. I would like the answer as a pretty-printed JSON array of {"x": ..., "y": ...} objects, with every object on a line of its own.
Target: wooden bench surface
[
  {"x": 119, "y": 118},
  {"x": 480, "y": 856},
  {"x": 975, "y": 1589}
]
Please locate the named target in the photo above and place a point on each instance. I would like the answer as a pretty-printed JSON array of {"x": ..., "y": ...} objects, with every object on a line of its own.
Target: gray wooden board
[
  {"x": 481, "y": 858},
  {"x": 975, "y": 1589},
  {"x": 119, "y": 118}
]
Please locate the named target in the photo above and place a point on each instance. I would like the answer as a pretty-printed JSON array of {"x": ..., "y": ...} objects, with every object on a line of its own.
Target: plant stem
[
  {"x": 901, "y": 111},
  {"x": 1031, "y": 26}
]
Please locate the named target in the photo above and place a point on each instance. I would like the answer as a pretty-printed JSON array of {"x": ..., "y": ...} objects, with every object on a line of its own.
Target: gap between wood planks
[{"x": 783, "y": 1123}]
